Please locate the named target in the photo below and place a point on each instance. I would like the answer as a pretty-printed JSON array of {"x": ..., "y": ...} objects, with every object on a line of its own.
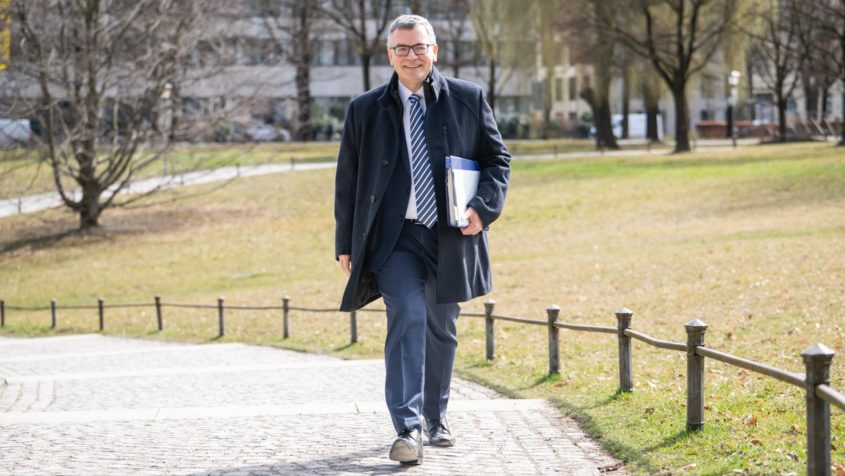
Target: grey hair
[{"x": 409, "y": 22}]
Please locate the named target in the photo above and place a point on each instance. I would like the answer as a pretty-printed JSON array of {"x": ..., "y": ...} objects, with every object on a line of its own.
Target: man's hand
[
  {"x": 345, "y": 261},
  {"x": 475, "y": 225}
]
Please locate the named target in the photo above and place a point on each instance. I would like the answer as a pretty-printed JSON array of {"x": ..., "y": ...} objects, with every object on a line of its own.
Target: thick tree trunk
[
  {"x": 681, "y": 117},
  {"x": 90, "y": 209},
  {"x": 651, "y": 111},
  {"x": 604, "y": 126},
  {"x": 600, "y": 107},
  {"x": 89, "y": 206}
]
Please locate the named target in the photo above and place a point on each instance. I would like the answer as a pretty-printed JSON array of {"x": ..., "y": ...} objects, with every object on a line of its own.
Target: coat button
[
  {"x": 365, "y": 236},
  {"x": 384, "y": 162},
  {"x": 372, "y": 198}
]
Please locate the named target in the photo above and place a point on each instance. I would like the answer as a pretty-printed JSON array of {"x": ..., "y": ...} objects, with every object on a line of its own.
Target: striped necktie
[{"x": 421, "y": 167}]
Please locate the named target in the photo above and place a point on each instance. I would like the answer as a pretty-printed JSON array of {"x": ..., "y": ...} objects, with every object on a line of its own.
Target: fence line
[{"x": 816, "y": 358}]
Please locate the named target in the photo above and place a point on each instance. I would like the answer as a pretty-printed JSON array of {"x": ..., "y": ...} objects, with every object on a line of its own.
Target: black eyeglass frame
[{"x": 412, "y": 47}]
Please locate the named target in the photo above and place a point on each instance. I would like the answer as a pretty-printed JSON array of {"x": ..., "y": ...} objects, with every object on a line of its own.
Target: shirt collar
[{"x": 405, "y": 93}]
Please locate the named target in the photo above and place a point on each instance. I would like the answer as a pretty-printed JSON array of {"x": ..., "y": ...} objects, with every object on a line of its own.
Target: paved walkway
[
  {"x": 91, "y": 404},
  {"x": 44, "y": 201}
]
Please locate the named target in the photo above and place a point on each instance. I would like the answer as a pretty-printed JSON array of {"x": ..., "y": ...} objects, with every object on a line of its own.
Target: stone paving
[{"x": 92, "y": 404}]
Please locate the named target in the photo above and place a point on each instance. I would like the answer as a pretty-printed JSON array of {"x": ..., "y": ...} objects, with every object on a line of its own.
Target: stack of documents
[{"x": 461, "y": 186}]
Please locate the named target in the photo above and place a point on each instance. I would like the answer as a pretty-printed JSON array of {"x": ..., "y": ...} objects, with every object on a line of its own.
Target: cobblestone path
[{"x": 91, "y": 404}]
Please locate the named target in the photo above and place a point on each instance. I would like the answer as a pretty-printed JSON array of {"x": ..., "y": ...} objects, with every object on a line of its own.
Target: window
[
  {"x": 585, "y": 84},
  {"x": 573, "y": 89}
]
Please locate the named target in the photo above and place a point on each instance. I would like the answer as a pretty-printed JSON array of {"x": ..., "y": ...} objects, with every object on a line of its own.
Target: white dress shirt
[{"x": 404, "y": 94}]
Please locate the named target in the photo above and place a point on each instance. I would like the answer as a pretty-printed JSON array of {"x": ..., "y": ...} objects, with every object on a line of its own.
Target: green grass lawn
[{"x": 752, "y": 242}]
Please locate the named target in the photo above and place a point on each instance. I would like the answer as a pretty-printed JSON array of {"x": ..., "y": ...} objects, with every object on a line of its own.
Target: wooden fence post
[
  {"x": 101, "y": 309},
  {"x": 817, "y": 360},
  {"x": 286, "y": 316},
  {"x": 623, "y": 322},
  {"x": 695, "y": 375},
  {"x": 488, "y": 328},
  {"x": 52, "y": 313},
  {"x": 220, "y": 317},
  {"x": 158, "y": 313},
  {"x": 554, "y": 350},
  {"x": 2, "y": 313},
  {"x": 353, "y": 326}
]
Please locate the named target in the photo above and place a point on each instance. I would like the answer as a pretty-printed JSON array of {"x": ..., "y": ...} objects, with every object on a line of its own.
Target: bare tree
[
  {"x": 500, "y": 28},
  {"x": 651, "y": 90},
  {"x": 364, "y": 22},
  {"x": 829, "y": 17},
  {"x": 774, "y": 51},
  {"x": 103, "y": 70},
  {"x": 678, "y": 37},
  {"x": 456, "y": 23},
  {"x": 292, "y": 25},
  {"x": 587, "y": 25},
  {"x": 546, "y": 23}
]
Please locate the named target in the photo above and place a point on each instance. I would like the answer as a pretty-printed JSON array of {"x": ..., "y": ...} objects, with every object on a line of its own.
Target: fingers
[
  {"x": 345, "y": 262},
  {"x": 475, "y": 225}
]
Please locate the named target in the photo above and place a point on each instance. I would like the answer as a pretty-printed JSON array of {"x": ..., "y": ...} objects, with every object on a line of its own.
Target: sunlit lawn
[{"x": 752, "y": 242}]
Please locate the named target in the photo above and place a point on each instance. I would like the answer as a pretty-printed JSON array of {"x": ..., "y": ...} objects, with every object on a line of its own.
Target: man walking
[{"x": 392, "y": 234}]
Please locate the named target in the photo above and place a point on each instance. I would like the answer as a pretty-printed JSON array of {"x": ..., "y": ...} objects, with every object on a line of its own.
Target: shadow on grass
[
  {"x": 39, "y": 242},
  {"x": 344, "y": 347}
]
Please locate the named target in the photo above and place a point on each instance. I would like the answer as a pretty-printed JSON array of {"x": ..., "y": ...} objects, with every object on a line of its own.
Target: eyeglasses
[{"x": 404, "y": 50}]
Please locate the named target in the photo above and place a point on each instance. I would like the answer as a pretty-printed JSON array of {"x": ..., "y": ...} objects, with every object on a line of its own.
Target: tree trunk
[
  {"x": 604, "y": 126},
  {"x": 365, "y": 67},
  {"x": 842, "y": 120},
  {"x": 600, "y": 107},
  {"x": 729, "y": 113},
  {"x": 90, "y": 209},
  {"x": 811, "y": 97},
  {"x": 175, "y": 111},
  {"x": 626, "y": 99},
  {"x": 681, "y": 117},
  {"x": 547, "y": 104},
  {"x": 781, "y": 100},
  {"x": 651, "y": 111},
  {"x": 842, "y": 79},
  {"x": 303, "y": 102},
  {"x": 304, "y": 127}
]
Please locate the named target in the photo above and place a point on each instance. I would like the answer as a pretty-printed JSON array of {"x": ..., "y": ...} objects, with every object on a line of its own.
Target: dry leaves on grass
[{"x": 750, "y": 420}]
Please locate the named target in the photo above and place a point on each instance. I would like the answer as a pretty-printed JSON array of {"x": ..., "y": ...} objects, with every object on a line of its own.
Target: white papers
[{"x": 462, "y": 177}]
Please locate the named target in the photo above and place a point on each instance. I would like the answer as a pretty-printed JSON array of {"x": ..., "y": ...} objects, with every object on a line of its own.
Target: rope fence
[{"x": 817, "y": 358}]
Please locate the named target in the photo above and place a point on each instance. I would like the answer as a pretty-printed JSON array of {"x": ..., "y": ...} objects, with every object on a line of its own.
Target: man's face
[{"x": 412, "y": 69}]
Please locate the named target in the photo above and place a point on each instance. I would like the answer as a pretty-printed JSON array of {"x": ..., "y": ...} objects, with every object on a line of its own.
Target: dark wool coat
[{"x": 372, "y": 185}]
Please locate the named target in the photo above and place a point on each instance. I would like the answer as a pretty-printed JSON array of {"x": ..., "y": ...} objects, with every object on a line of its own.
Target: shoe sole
[{"x": 404, "y": 454}]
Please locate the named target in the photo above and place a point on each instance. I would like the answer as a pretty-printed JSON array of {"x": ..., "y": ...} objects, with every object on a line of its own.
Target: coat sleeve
[
  {"x": 345, "y": 186},
  {"x": 494, "y": 160}
]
